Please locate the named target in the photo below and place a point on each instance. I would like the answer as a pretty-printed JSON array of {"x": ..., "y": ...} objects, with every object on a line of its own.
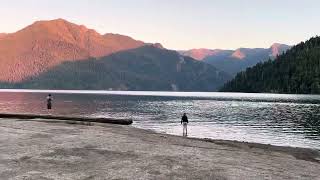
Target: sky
[{"x": 178, "y": 24}]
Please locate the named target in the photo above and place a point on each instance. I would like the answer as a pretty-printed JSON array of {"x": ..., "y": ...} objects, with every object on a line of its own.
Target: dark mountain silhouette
[
  {"x": 296, "y": 71},
  {"x": 46, "y": 44},
  {"x": 238, "y": 60},
  {"x": 144, "y": 68}
]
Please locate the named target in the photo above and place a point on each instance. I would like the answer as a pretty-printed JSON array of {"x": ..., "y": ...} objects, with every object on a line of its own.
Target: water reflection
[{"x": 291, "y": 122}]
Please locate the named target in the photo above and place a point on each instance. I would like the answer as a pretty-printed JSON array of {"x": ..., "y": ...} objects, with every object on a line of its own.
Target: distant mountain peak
[
  {"x": 239, "y": 54},
  {"x": 294, "y": 72},
  {"x": 59, "y": 26},
  {"x": 200, "y": 53},
  {"x": 157, "y": 45},
  {"x": 276, "y": 44},
  {"x": 55, "y": 21},
  {"x": 277, "y": 49},
  {"x": 45, "y": 44}
]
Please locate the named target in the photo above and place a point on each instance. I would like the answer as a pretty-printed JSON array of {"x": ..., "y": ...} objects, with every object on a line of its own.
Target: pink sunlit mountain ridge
[
  {"x": 238, "y": 54},
  {"x": 202, "y": 53},
  {"x": 234, "y": 61},
  {"x": 277, "y": 49},
  {"x": 45, "y": 44},
  {"x": 58, "y": 54}
]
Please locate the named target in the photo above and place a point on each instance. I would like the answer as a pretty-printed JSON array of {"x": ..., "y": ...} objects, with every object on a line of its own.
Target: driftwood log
[{"x": 81, "y": 119}]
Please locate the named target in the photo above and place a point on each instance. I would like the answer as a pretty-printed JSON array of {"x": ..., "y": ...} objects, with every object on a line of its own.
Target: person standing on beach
[
  {"x": 184, "y": 121},
  {"x": 49, "y": 101}
]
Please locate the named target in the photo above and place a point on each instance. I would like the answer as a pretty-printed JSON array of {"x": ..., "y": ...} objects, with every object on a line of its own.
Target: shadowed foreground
[{"x": 41, "y": 149}]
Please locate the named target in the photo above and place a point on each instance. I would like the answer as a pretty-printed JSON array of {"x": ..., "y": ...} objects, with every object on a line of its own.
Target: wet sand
[{"x": 47, "y": 149}]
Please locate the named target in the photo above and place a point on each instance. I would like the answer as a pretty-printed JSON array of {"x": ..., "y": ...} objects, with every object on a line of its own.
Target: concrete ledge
[{"x": 82, "y": 119}]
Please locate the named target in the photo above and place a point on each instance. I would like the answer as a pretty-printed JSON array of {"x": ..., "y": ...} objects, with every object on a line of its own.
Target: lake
[{"x": 285, "y": 120}]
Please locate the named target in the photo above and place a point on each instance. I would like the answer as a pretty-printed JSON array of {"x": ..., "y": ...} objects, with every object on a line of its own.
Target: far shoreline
[{"x": 216, "y": 96}]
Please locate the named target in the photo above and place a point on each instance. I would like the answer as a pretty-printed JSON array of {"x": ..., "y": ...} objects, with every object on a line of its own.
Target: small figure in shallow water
[
  {"x": 49, "y": 101},
  {"x": 184, "y": 121}
]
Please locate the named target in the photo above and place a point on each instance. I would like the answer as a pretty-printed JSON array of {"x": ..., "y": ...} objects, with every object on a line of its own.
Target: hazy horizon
[{"x": 177, "y": 24}]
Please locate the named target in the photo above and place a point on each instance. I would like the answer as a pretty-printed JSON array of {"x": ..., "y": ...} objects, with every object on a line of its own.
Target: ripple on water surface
[{"x": 287, "y": 120}]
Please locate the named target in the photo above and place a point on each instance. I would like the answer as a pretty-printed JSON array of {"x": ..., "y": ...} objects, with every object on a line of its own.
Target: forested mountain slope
[
  {"x": 144, "y": 68},
  {"x": 45, "y": 44},
  {"x": 296, "y": 71}
]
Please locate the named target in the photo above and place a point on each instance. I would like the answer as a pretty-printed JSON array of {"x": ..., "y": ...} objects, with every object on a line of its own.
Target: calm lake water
[{"x": 285, "y": 120}]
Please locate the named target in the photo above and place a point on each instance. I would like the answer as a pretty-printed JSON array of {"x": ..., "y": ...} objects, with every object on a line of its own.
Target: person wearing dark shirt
[
  {"x": 184, "y": 121},
  {"x": 49, "y": 101}
]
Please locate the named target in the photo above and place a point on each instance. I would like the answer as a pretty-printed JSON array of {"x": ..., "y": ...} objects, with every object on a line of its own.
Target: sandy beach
[{"x": 46, "y": 149}]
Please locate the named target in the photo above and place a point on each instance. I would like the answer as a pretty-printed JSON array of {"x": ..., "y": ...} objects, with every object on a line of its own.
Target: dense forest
[
  {"x": 145, "y": 68},
  {"x": 296, "y": 72}
]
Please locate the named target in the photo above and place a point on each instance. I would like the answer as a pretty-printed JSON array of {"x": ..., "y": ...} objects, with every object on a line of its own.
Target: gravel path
[{"x": 39, "y": 149}]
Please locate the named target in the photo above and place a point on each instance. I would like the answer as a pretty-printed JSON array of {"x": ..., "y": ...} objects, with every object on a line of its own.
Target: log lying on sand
[{"x": 82, "y": 119}]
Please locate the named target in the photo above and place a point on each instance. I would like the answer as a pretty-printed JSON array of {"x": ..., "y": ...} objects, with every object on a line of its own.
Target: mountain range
[
  {"x": 57, "y": 54},
  {"x": 144, "y": 68},
  {"x": 234, "y": 61},
  {"x": 297, "y": 72},
  {"x": 46, "y": 44}
]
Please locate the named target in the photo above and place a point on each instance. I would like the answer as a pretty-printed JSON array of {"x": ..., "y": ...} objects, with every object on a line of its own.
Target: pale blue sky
[{"x": 178, "y": 24}]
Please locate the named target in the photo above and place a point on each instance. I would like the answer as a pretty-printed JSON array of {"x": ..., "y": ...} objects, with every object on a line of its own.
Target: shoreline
[
  {"x": 122, "y": 121},
  {"x": 308, "y": 154},
  {"x": 215, "y": 95},
  {"x": 69, "y": 150},
  {"x": 251, "y": 144},
  {"x": 310, "y": 151}
]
